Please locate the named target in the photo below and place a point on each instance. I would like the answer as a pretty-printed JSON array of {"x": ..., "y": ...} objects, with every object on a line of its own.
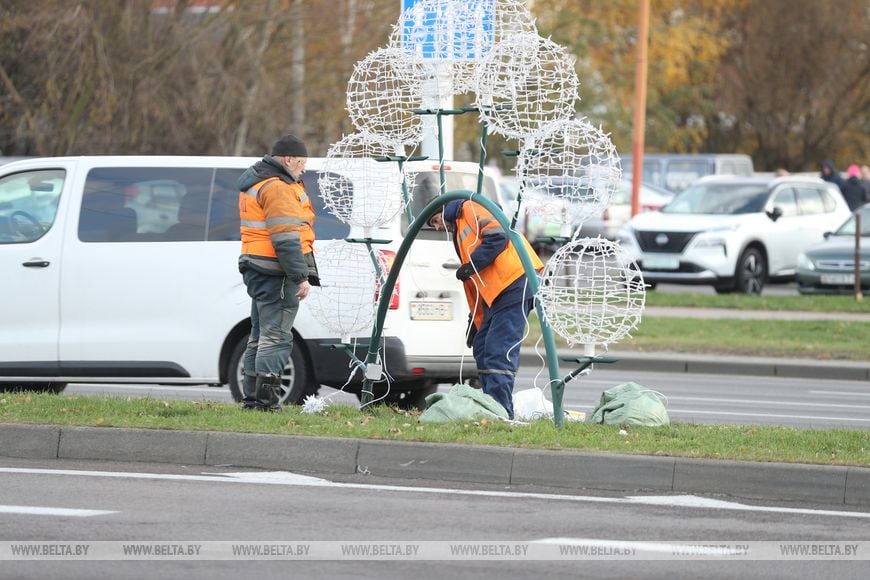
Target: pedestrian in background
[
  {"x": 276, "y": 262},
  {"x": 853, "y": 190},
  {"x": 865, "y": 179},
  {"x": 497, "y": 291},
  {"x": 830, "y": 174}
]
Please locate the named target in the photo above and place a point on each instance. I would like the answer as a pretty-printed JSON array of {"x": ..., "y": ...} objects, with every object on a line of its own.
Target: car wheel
[
  {"x": 751, "y": 273},
  {"x": 296, "y": 382},
  {"x": 36, "y": 387}
]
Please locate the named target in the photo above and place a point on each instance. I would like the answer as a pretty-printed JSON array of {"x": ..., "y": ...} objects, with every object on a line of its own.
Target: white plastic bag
[{"x": 531, "y": 404}]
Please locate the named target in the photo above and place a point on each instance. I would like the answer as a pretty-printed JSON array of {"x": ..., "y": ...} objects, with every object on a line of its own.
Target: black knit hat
[{"x": 290, "y": 146}]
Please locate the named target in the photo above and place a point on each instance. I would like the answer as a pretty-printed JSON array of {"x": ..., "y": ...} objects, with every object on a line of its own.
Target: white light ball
[
  {"x": 358, "y": 189},
  {"x": 525, "y": 82},
  {"x": 345, "y": 300},
  {"x": 591, "y": 293}
]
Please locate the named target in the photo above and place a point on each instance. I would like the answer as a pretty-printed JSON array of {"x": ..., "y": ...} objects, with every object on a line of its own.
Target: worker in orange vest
[
  {"x": 276, "y": 262},
  {"x": 497, "y": 291}
]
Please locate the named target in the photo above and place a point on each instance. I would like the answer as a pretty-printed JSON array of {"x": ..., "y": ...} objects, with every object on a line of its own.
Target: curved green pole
[{"x": 373, "y": 371}]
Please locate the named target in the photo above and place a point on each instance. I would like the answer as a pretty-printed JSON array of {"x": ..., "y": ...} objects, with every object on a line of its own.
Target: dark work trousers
[
  {"x": 496, "y": 344},
  {"x": 273, "y": 310}
]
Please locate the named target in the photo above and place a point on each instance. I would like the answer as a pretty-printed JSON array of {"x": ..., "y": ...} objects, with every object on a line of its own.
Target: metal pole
[
  {"x": 858, "y": 295},
  {"x": 639, "y": 105}
]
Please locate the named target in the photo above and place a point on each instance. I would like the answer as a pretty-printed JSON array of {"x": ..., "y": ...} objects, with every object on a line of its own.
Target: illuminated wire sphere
[
  {"x": 573, "y": 170},
  {"x": 525, "y": 82},
  {"x": 345, "y": 300},
  {"x": 591, "y": 293},
  {"x": 358, "y": 189},
  {"x": 382, "y": 92},
  {"x": 457, "y": 35}
]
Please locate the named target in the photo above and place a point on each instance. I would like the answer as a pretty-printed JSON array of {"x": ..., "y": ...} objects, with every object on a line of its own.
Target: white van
[
  {"x": 677, "y": 171},
  {"x": 124, "y": 270}
]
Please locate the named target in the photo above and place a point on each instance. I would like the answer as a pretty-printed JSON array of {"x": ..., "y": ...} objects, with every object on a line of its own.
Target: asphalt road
[
  {"x": 690, "y": 398},
  {"x": 190, "y": 506}
]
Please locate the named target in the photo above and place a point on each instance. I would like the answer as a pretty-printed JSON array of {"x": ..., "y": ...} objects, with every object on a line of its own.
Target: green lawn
[
  {"x": 754, "y": 443},
  {"x": 746, "y": 302}
]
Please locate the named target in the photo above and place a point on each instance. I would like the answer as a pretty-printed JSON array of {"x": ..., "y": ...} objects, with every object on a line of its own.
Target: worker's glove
[
  {"x": 465, "y": 271},
  {"x": 469, "y": 335}
]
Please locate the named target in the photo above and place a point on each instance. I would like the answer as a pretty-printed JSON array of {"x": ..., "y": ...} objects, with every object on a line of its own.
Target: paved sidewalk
[
  {"x": 837, "y": 485},
  {"x": 734, "y": 313}
]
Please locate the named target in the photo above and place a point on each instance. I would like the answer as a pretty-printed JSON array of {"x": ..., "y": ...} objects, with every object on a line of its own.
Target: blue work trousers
[
  {"x": 273, "y": 310},
  {"x": 497, "y": 344}
]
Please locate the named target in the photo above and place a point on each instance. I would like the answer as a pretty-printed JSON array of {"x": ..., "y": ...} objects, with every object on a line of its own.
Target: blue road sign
[{"x": 449, "y": 30}]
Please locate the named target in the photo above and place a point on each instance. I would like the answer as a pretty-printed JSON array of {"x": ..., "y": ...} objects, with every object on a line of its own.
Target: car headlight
[
  {"x": 710, "y": 242},
  {"x": 804, "y": 262}
]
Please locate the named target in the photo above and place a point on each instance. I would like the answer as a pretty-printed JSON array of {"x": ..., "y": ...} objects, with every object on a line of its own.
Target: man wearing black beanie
[{"x": 276, "y": 262}]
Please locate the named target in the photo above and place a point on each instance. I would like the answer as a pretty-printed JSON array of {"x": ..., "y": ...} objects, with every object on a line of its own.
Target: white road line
[
  {"x": 766, "y": 415},
  {"x": 292, "y": 479},
  {"x": 51, "y": 511},
  {"x": 757, "y": 402},
  {"x": 838, "y": 393},
  {"x": 637, "y": 546}
]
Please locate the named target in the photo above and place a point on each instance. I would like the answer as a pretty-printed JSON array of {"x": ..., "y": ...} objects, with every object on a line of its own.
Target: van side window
[
  {"x": 326, "y": 226},
  {"x": 125, "y": 204},
  {"x": 28, "y": 204},
  {"x": 224, "y": 221}
]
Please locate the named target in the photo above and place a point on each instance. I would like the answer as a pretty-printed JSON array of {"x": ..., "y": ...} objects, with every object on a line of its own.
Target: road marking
[
  {"x": 766, "y": 415},
  {"x": 757, "y": 402},
  {"x": 293, "y": 479},
  {"x": 625, "y": 546},
  {"x": 846, "y": 393},
  {"x": 51, "y": 511}
]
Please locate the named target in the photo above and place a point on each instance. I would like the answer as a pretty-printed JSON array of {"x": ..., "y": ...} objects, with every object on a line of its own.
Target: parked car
[
  {"x": 538, "y": 224},
  {"x": 734, "y": 233},
  {"x": 829, "y": 267},
  {"x": 677, "y": 171},
  {"x": 123, "y": 270}
]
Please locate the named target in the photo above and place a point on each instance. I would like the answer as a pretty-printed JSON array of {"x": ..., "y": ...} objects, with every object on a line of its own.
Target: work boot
[
  {"x": 267, "y": 389},
  {"x": 249, "y": 391}
]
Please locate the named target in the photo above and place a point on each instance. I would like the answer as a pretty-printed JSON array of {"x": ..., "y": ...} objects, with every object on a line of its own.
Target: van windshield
[{"x": 719, "y": 199}]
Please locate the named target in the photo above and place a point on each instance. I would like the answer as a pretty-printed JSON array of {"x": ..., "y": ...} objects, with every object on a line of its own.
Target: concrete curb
[
  {"x": 444, "y": 462},
  {"x": 670, "y": 362}
]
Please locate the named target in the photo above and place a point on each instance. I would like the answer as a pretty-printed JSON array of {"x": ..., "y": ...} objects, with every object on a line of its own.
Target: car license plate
[
  {"x": 661, "y": 263},
  {"x": 838, "y": 278},
  {"x": 431, "y": 311}
]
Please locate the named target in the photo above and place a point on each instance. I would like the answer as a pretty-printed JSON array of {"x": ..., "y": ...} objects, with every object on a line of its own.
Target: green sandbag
[
  {"x": 630, "y": 404},
  {"x": 461, "y": 403}
]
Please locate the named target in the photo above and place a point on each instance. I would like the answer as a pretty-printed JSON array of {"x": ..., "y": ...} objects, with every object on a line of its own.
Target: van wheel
[
  {"x": 296, "y": 382},
  {"x": 35, "y": 387},
  {"x": 751, "y": 273}
]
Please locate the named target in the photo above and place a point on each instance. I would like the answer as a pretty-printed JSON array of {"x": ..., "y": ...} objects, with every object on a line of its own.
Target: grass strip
[
  {"x": 814, "y": 339},
  {"x": 748, "y": 443},
  {"x": 747, "y": 302}
]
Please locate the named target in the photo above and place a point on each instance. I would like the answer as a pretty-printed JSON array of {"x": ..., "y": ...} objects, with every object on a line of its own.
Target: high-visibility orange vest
[
  {"x": 293, "y": 203},
  {"x": 472, "y": 223}
]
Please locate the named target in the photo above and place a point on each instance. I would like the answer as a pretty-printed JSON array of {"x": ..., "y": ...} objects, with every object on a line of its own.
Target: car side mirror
[
  {"x": 775, "y": 213},
  {"x": 827, "y": 234}
]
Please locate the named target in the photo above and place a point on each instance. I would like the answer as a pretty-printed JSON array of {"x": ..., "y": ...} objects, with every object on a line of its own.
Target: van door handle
[
  {"x": 36, "y": 263},
  {"x": 450, "y": 265}
]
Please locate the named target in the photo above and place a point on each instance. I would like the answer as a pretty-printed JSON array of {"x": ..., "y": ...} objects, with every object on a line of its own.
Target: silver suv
[{"x": 734, "y": 233}]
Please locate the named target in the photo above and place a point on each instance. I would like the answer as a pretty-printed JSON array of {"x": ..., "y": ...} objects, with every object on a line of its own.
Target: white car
[
  {"x": 734, "y": 233},
  {"x": 124, "y": 270}
]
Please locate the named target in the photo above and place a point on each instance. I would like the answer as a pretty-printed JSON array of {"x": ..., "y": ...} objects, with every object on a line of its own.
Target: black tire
[
  {"x": 296, "y": 381},
  {"x": 35, "y": 387},
  {"x": 751, "y": 273},
  {"x": 408, "y": 395}
]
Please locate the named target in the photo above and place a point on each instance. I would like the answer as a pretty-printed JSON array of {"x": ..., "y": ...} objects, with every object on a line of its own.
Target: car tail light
[
  {"x": 605, "y": 215},
  {"x": 650, "y": 207},
  {"x": 386, "y": 259}
]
